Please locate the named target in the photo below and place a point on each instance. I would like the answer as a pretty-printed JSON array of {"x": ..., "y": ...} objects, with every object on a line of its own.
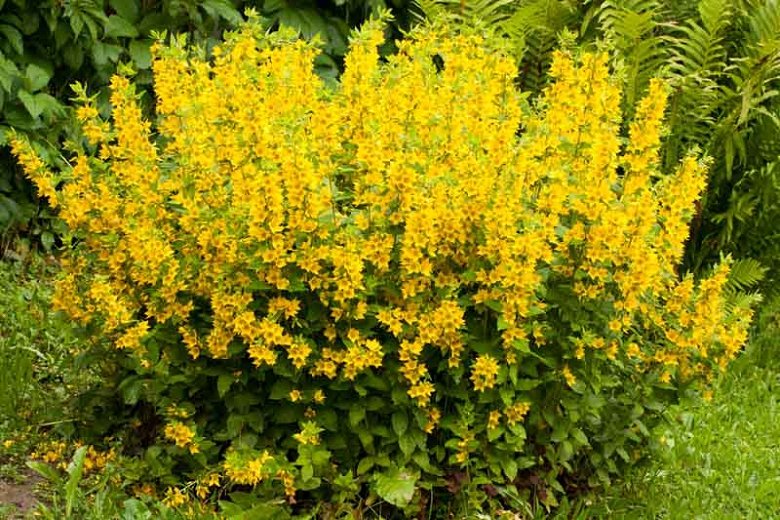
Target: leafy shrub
[{"x": 406, "y": 282}]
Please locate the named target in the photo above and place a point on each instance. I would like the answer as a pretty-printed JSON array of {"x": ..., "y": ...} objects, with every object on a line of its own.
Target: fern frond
[{"x": 745, "y": 274}]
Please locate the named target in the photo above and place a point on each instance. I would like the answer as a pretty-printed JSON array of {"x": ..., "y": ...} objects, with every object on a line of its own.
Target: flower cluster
[{"x": 418, "y": 226}]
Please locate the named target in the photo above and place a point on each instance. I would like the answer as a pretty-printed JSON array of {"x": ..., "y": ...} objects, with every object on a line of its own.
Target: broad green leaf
[
  {"x": 127, "y": 9},
  {"x": 356, "y": 414},
  {"x": 73, "y": 54},
  {"x": 407, "y": 444},
  {"x": 141, "y": 54},
  {"x": 261, "y": 511},
  {"x": 103, "y": 53},
  {"x": 223, "y": 384},
  {"x": 45, "y": 470},
  {"x": 8, "y": 72},
  {"x": 118, "y": 27},
  {"x": 400, "y": 423},
  {"x": 75, "y": 471},
  {"x": 30, "y": 103},
  {"x": 13, "y": 36},
  {"x": 222, "y": 9},
  {"x": 280, "y": 389},
  {"x": 396, "y": 486},
  {"x": 47, "y": 240},
  {"x": 37, "y": 77}
]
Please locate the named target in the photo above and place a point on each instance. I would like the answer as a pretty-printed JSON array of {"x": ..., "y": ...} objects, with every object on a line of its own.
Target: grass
[
  {"x": 715, "y": 460},
  {"x": 718, "y": 459},
  {"x": 36, "y": 373}
]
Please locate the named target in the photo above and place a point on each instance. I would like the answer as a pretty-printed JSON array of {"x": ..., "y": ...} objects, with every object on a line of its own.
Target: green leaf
[
  {"x": 364, "y": 465},
  {"x": 281, "y": 389},
  {"x": 8, "y": 73},
  {"x": 37, "y": 77},
  {"x": 396, "y": 486},
  {"x": 13, "y": 36},
  {"x": 400, "y": 423},
  {"x": 103, "y": 53},
  {"x": 127, "y": 9},
  {"x": 140, "y": 53},
  {"x": 262, "y": 511},
  {"x": 44, "y": 470},
  {"x": 222, "y": 9},
  {"x": 223, "y": 384},
  {"x": 510, "y": 467},
  {"x": 356, "y": 414},
  {"x": 75, "y": 471},
  {"x": 407, "y": 444},
  {"x": 30, "y": 103},
  {"x": 47, "y": 240},
  {"x": 73, "y": 55},
  {"x": 118, "y": 27}
]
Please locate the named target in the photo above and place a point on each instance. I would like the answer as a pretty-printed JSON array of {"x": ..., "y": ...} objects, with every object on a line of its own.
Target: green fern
[{"x": 745, "y": 274}]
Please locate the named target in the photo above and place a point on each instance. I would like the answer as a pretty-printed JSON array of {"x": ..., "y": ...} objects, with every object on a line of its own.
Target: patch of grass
[
  {"x": 36, "y": 377},
  {"x": 718, "y": 459}
]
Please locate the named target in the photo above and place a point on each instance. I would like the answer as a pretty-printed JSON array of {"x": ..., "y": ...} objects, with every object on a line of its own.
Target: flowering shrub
[{"x": 409, "y": 280}]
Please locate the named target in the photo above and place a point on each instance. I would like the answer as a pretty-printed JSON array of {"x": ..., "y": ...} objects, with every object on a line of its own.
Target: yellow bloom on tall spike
[{"x": 393, "y": 223}]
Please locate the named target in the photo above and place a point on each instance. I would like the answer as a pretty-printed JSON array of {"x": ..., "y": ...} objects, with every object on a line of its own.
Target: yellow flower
[
  {"x": 434, "y": 415},
  {"x": 484, "y": 372},
  {"x": 422, "y": 393},
  {"x": 175, "y": 497},
  {"x": 571, "y": 380},
  {"x": 493, "y": 419},
  {"x": 516, "y": 412},
  {"x": 246, "y": 470},
  {"x": 181, "y": 434}
]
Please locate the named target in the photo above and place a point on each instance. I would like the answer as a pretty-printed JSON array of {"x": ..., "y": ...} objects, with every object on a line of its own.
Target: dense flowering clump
[{"x": 415, "y": 242}]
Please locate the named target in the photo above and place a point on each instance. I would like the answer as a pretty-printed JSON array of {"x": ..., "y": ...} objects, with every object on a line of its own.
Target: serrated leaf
[{"x": 396, "y": 486}]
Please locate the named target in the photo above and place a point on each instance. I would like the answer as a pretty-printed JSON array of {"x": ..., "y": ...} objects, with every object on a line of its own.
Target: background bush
[{"x": 324, "y": 293}]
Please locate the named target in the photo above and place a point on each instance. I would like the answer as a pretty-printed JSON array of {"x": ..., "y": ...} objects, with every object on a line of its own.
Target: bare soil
[{"x": 21, "y": 496}]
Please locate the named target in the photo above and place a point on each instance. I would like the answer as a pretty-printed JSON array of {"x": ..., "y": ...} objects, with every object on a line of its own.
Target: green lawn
[
  {"x": 721, "y": 458},
  {"x": 717, "y": 459}
]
